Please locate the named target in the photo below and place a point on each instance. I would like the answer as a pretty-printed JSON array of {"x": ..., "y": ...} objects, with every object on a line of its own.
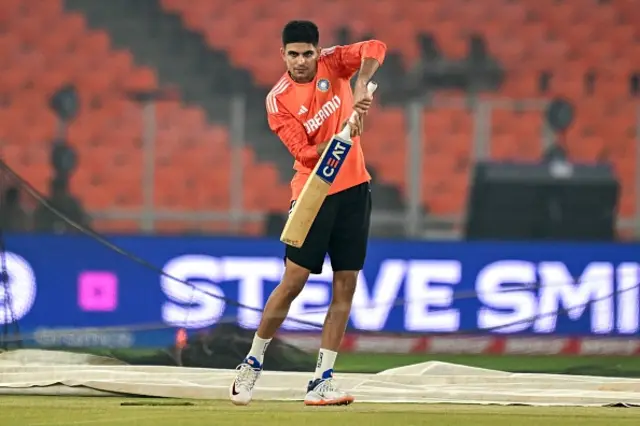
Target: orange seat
[
  {"x": 42, "y": 47},
  {"x": 45, "y": 48},
  {"x": 92, "y": 44},
  {"x": 527, "y": 37},
  {"x": 140, "y": 80}
]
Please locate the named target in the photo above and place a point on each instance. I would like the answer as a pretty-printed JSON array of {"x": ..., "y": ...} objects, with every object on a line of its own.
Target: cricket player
[{"x": 307, "y": 106}]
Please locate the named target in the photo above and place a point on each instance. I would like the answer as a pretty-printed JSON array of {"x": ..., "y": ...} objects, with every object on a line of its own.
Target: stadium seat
[
  {"x": 528, "y": 37},
  {"x": 588, "y": 53},
  {"x": 42, "y": 47}
]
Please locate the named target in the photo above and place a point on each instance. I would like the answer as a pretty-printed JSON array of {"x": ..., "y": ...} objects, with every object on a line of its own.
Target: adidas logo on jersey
[
  {"x": 327, "y": 110},
  {"x": 303, "y": 110}
]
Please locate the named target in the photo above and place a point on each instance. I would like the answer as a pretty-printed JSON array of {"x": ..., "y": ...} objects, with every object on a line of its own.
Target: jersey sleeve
[
  {"x": 291, "y": 132},
  {"x": 346, "y": 60}
]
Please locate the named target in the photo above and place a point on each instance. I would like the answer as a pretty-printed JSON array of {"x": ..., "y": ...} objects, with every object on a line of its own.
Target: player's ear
[{"x": 282, "y": 53}]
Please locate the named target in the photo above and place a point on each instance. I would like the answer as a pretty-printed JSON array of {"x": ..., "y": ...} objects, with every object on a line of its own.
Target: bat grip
[{"x": 346, "y": 132}]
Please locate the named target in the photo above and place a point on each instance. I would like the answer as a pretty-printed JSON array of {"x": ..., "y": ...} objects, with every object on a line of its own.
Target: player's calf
[
  {"x": 279, "y": 302},
  {"x": 335, "y": 322},
  {"x": 276, "y": 309},
  {"x": 323, "y": 390}
]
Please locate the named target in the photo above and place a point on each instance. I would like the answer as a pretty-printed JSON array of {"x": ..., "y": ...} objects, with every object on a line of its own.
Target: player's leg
[
  {"x": 299, "y": 263},
  {"x": 275, "y": 311},
  {"x": 347, "y": 249}
]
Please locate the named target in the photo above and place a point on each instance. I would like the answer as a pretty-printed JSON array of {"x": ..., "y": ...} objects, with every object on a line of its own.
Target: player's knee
[
  {"x": 344, "y": 285},
  {"x": 294, "y": 279}
]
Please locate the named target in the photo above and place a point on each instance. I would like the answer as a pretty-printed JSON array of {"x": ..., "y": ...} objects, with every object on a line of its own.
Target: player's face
[{"x": 301, "y": 60}]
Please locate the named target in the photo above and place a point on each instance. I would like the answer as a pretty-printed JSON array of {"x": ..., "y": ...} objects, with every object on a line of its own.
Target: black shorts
[{"x": 341, "y": 229}]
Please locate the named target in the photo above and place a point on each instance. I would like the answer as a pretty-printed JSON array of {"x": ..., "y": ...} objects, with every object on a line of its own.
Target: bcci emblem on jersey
[{"x": 323, "y": 85}]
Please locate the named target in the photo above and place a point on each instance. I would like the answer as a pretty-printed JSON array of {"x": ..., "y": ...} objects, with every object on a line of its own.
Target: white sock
[
  {"x": 258, "y": 348},
  {"x": 326, "y": 360}
]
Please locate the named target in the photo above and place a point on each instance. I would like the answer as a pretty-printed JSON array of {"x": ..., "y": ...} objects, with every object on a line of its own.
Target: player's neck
[{"x": 302, "y": 81}]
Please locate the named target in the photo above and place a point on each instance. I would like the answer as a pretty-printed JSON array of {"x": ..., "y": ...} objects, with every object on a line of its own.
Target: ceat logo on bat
[{"x": 331, "y": 163}]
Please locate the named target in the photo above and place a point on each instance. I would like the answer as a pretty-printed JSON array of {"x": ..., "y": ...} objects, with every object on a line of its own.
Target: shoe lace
[
  {"x": 247, "y": 376},
  {"x": 327, "y": 385}
]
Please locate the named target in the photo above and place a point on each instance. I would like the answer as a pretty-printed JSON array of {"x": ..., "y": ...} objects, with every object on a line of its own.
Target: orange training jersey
[{"x": 306, "y": 114}]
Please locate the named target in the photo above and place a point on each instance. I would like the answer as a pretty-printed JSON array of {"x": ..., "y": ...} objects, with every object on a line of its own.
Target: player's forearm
[
  {"x": 295, "y": 139},
  {"x": 372, "y": 53},
  {"x": 367, "y": 70},
  {"x": 321, "y": 147},
  {"x": 304, "y": 153},
  {"x": 307, "y": 156},
  {"x": 348, "y": 59}
]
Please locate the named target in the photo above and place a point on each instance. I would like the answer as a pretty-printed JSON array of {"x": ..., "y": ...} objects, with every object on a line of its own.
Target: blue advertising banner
[{"x": 65, "y": 282}]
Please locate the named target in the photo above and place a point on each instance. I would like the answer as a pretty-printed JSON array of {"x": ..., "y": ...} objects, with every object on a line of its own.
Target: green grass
[{"x": 69, "y": 411}]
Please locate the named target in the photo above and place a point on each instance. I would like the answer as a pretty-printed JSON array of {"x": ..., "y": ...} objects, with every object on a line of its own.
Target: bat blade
[
  {"x": 314, "y": 192},
  {"x": 316, "y": 188}
]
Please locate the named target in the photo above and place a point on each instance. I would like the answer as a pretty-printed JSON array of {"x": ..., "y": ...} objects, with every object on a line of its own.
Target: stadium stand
[
  {"x": 43, "y": 48},
  {"x": 499, "y": 48},
  {"x": 564, "y": 39}
]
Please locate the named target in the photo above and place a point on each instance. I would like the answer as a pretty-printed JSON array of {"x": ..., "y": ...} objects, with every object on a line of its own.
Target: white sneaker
[
  {"x": 325, "y": 391},
  {"x": 242, "y": 387}
]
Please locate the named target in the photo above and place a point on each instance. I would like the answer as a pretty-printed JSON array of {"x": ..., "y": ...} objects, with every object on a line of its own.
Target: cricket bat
[{"x": 306, "y": 207}]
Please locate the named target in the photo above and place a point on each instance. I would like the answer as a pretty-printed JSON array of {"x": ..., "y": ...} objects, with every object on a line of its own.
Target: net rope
[{"x": 41, "y": 199}]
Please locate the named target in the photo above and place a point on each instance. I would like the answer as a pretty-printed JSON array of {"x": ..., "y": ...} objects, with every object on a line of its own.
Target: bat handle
[{"x": 371, "y": 87}]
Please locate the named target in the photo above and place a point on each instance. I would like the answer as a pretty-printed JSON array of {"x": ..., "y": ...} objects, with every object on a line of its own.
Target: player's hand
[
  {"x": 356, "y": 126},
  {"x": 361, "y": 98}
]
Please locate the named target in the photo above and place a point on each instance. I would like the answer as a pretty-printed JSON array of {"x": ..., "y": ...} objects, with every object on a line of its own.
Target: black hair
[{"x": 300, "y": 32}]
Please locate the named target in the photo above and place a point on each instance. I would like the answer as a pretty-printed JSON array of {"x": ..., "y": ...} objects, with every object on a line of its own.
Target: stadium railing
[{"x": 483, "y": 135}]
